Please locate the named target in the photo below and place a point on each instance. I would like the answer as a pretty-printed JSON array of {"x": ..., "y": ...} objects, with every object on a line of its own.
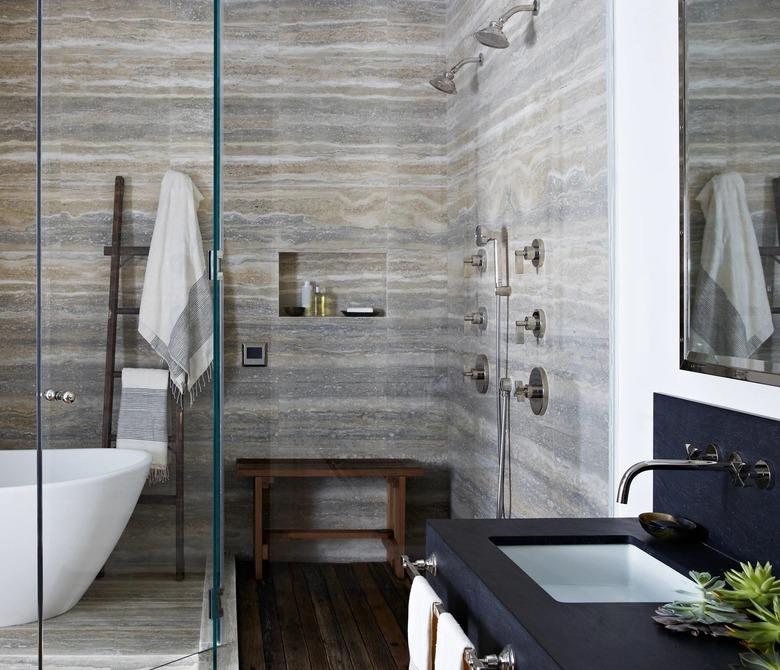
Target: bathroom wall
[
  {"x": 126, "y": 91},
  {"x": 334, "y": 142},
  {"x": 17, "y": 223},
  {"x": 527, "y": 143},
  {"x": 646, "y": 312}
]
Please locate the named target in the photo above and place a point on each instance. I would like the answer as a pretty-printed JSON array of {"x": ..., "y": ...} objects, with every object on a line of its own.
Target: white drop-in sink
[{"x": 600, "y": 573}]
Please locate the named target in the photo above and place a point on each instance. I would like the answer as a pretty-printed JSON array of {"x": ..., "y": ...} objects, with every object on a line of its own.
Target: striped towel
[{"x": 143, "y": 417}]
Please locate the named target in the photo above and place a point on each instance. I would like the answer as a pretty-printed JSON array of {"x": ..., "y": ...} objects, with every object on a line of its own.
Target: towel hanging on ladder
[{"x": 176, "y": 308}]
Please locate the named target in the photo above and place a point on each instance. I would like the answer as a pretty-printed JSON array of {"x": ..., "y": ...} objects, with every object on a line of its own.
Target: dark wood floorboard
[{"x": 311, "y": 616}]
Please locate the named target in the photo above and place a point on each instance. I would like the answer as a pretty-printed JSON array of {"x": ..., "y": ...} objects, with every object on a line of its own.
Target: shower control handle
[
  {"x": 536, "y": 391},
  {"x": 476, "y": 261},
  {"x": 533, "y": 253},
  {"x": 478, "y": 318},
  {"x": 536, "y": 323},
  {"x": 479, "y": 374},
  {"x": 68, "y": 397}
]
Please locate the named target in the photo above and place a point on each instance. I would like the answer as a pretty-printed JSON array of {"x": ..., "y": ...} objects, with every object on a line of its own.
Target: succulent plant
[
  {"x": 756, "y": 661},
  {"x": 752, "y": 585},
  {"x": 763, "y": 633},
  {"x": 705, "y": 616}
]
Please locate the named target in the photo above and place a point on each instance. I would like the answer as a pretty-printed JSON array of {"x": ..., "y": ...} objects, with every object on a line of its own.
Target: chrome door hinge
[
  {"x": 221, "y": 611},
  {"x": 215, "y": 264}
]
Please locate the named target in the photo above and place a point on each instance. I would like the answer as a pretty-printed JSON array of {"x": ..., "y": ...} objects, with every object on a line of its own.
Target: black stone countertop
[{"x": 588, "y": 636}]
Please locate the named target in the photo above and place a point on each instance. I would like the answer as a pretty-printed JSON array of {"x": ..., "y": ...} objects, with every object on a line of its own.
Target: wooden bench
[{"x": 395, "y": 472}]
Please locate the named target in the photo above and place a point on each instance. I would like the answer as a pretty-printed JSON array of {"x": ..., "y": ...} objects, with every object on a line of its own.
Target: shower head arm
[
  {"x": 533, "y": 7},
  {"x": 456, "y": 68}
]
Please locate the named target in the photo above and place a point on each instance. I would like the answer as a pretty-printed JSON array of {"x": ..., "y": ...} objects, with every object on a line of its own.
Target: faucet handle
[{"x": 711, "y": 453}]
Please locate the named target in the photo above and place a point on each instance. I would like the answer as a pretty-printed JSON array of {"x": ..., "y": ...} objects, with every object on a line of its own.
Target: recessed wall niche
[{"x": 349, "y": 279}]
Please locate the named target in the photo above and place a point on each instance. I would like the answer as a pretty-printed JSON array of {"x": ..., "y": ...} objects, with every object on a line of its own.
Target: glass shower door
[{"x": 127, "y": 422}]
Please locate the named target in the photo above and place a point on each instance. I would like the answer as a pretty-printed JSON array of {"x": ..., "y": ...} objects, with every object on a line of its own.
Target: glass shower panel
[
  {"x": 127, "y": 129},
  {"x": 18, "y": 578}
]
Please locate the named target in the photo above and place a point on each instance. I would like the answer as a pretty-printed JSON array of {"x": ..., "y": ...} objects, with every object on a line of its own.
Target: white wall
[{"x": 646, "y": 242}]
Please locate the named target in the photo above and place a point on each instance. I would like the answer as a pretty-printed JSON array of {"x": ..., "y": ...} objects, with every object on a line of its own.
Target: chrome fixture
[
  {"x": 533, "y": 253},
  {"x": 760, "y": 474},
  {"x": 480, "y": 373},
  {"x": 445, "y": 82},
  {"x": 536, "y": 391},
  {"x": 415, "y": 568},
  {"x": 504, "y": 446},
  {"x": 478, "y": 318},
  {"x": 476, "y": 261},
  {"x": 503, "y": 661},
  {"x": 536, "y": 323},
  {"x": 482, "y": 236},
  {"x": 67, "y": 397},
  {"x": 493, "y": 35}
]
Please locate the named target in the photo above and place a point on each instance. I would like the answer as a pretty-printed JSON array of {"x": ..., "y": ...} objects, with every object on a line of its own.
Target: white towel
[
  {"x": 451, "y": 643},
  {"x": 421, "y": 601},
  {"x": 175, "y": 316},
  {"x": 143, "y": 417},
  {"x": 731, "y": 314}
]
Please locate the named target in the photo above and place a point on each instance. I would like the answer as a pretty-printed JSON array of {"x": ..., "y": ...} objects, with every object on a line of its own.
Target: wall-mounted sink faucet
[
  {"x": 478, "y": 318},
  {"x": 536, "y": 324},
  {"x": 759, "y": 474},
  {"x": 533, "y": 253}
]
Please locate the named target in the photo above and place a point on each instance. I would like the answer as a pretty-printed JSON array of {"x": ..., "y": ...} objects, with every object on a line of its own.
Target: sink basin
[{"x": 600, "y": 573}]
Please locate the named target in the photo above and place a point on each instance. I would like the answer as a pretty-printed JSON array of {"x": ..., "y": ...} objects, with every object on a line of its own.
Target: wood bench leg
[
  {"x": 258, "y": 528},
  {"x": 390, "y": 544}
]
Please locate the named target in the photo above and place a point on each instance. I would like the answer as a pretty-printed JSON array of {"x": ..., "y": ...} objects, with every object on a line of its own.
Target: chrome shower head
[
  {"x": 445, "y": 82},
  {"x": 493, "y": 35}
]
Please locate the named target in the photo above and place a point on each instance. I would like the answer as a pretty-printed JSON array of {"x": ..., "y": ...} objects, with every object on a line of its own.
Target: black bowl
[
  {"x": 294, "y": 311},
  {"x": 671, "y": 528}
]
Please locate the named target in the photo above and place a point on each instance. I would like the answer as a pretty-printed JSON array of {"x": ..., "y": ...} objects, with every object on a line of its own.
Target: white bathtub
[{"x": 88, "y": 497}]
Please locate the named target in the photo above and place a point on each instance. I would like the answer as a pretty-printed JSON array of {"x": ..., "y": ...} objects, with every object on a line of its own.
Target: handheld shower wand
[{"x": 484, "y": 235}]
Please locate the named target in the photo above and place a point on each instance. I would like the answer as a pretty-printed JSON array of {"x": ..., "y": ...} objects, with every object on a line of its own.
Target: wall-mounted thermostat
[{"x": 255, "y": 355}]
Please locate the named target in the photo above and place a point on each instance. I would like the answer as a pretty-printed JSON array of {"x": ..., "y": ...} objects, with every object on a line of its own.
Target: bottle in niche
[
  {"x": 307, "y": 298},
  {"x": 319, "y": 301}
]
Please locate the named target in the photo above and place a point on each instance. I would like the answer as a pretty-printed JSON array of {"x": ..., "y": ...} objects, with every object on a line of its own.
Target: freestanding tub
[{"x": 88, "y": 497}]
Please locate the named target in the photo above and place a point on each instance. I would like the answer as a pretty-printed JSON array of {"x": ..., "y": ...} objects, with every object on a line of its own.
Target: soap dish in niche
[{"x": 361, "y": 311}]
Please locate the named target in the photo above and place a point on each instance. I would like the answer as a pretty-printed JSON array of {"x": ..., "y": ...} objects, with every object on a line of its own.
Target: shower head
[
  {"x": 445, "y": 82},
  {"x": 484, "y": 235},
  {"x": 493, "y": 35}
]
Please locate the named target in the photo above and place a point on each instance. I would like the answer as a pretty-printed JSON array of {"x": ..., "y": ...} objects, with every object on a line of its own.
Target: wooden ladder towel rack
[{"x": 175, "y": 440}]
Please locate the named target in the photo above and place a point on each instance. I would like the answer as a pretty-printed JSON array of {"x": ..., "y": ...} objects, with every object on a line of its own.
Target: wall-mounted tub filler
[
  {"x": 759, "y": 474},
  {"x": 493, "y": 34},
  {"x": 536, "y": 391},
  {"x": 533, "y": 253},
  {"x": 536, "y": 324},
  {"x": 478, "y": 319},
  {"x": 479, "y": 374},
  {"x": 445, "y": 82}
]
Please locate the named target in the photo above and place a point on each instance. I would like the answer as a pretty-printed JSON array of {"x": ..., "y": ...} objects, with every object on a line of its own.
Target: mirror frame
[{"x": 738, "y": 369}]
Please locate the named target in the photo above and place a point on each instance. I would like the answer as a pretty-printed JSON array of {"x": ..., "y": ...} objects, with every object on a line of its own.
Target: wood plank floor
[{"x": 313, "y": 616}]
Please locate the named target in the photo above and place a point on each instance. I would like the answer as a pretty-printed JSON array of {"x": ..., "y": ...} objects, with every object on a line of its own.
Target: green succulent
[
  {"x": 752, "y": 585},
  {"x": 705, "y": 616},
  {"x": 756, "y": 661},
  {"x": 763, "y": 633}
]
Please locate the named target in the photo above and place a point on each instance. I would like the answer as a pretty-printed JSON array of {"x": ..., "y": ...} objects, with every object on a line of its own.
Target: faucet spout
[{"x": 709, "y": 460}]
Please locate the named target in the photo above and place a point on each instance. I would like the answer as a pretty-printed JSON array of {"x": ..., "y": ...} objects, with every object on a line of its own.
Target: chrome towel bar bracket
[
  {"x": 415, "y": 568},
  {"x": 503, "y": 661}
]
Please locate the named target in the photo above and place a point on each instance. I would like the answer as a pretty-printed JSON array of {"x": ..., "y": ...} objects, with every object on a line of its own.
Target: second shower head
[{"x": 493, "y": 34}]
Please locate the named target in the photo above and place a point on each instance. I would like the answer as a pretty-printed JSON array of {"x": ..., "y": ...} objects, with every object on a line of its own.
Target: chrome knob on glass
[{"x": 67, "y": 397}]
